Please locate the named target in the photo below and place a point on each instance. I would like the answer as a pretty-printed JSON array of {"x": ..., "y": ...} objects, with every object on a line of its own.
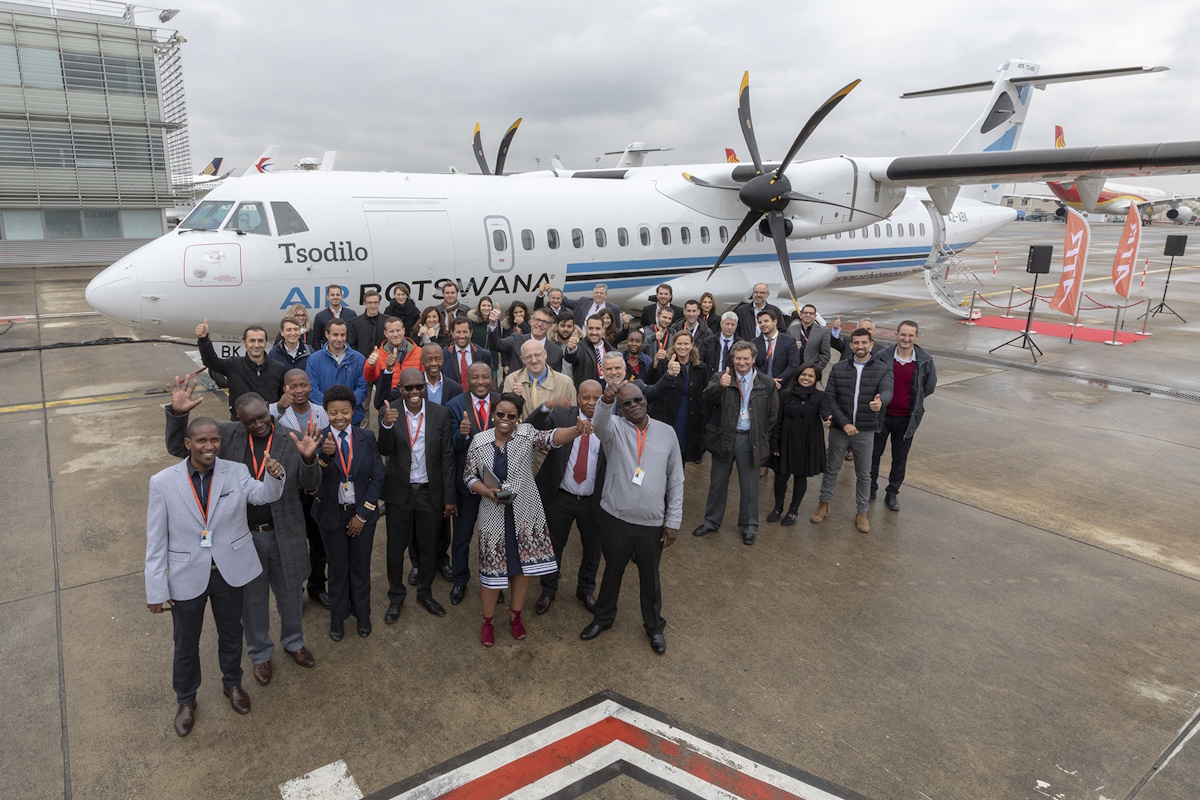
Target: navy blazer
[
  {"x": 450, "y": 366},
  {"x": 785, "y": 358},
  {"x": 366, "y": 473}
]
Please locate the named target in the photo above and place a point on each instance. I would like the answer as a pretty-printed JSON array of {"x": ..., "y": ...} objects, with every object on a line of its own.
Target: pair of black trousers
[
  {"x": 188, "y": 619},
  {"x": 349, "y": 569},
  {"x": 441, "y": 547},
  {"x": 621, "y": 540},
  {"x": 417, "y": 522},
  {"x": 800, "y": 487},
  {"x": 316, "y": 547},
  {"x": 564, "y": 509},
  {"x": 892, "y": 428},
  {"x": 464, "y": 529}
]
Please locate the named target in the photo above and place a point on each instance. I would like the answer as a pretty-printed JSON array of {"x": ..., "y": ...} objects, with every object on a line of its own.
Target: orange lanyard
[
  {"x": 487, "y": 413},
  {"x": 202, "y": 506},
  {"x": 412, "y": 435},
  {"x": 641, "y": 441},
  {"x": 771, "y": 349},
  {"x": 258, "y": 470},
  {"x": 346, "y": 462}
]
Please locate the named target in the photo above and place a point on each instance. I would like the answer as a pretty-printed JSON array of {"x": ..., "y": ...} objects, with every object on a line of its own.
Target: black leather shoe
[
  {"x": 748, "y": 538},
  {"x": 393, "y": 613},
  {"x": 336, "y": 631},
  {"x": 702, "y": 530},
  {"x": 543, "y": 604},
  {"x": 432, "y": 606},
  {"x": 412, "y": 577},
  {"x": 891, "y": 501},
  {"x": 775, "y": 514},
  {"x": 592, "y": 631},
  {"x": 323, "y": 599},
  {"x": 589, "y": 602},
  {"x": 447, "y": 573},
  {"x": 364, "y": 627},
  {"x": 658, "y": 643},
  {"x": 789, "y": 519},
  {"x": 456, "y": 594}
]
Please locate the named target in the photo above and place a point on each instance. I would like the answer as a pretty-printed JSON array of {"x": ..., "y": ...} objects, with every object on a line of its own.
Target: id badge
[
  {"x": 744, "y": 414},
  {"x": 206, "y": 538},
  {"x": 346, "y": 492},
  {"x": 638, "y": 474}
]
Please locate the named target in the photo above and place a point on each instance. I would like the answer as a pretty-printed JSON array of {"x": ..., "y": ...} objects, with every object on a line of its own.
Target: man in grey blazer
[
  {"x": 812, "y": 337},
  {"x": 196, "y": 537},
  {"x": 279, "y": 532}
]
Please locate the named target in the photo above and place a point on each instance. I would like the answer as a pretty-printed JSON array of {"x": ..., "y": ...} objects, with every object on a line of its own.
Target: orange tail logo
[
  {"x": 731, "y": 156},
  {"x": 1059, "y": 139}
]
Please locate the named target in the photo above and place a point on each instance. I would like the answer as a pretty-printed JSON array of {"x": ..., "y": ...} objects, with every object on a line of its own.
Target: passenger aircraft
[
  {"x": 258, "y": 244},
  {"x": 211, "y": 173}
]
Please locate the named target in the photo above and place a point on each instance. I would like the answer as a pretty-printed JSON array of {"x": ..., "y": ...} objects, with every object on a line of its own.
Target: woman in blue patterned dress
[{"x": 514, "y": 541}]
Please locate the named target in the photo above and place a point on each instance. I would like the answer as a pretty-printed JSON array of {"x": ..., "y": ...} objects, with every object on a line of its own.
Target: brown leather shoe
[
  {"x": 263, "y": 673},
  {"x": 860, "y": 522},
  {"x": 589, "y": 602},
  {"x": 821, "y": 513},
  {"x": 185, "y": 718},
  {"x": 303, "y": 657},
  {"x": 238, "y": 699}
]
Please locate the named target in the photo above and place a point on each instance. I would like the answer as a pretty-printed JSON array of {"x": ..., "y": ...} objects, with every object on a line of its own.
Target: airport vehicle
[{"x": 257, "y": 244}]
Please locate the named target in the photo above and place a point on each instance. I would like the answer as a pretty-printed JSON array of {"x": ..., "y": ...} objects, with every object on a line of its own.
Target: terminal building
[{"x": 93, "y": 130}]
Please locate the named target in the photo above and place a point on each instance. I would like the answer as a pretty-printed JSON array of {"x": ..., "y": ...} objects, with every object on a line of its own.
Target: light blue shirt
[{"x": 746, "y": 384}]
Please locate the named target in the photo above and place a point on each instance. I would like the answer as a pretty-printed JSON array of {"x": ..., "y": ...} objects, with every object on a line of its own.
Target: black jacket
[
  {"x": 713, "y": 356},
  {"x": 279, "y": 353},
  {"x": 924, "y": 382},
  {"x": 839, "y": 392},
  {"x": 550, "y": 476},
  {"x": 748, "y": 319},
  {"x": 650, "y": 314},
  {"x": 323, "y": 318},
  {"x": 365, "y": 333},
  {"x": 669, "y": 396},
  {"x": 439, "y": 457},
  {"x": 727, "y": 403},
  {"x": 583, "y": 362},
  {"x": 366, "y": 473},
  {"x": 407, "y": 313},
  {"x": 244, "y": 375}
]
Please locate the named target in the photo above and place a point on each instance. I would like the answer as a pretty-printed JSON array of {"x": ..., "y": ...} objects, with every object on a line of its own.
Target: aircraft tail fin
[
  {"x": 213, "y": 168},
  {"x": 327, "y": 160},
  {"x": 731, "y": 156},
  {"x": 263, "y": 163},
  {"x": 1059, "y": 139}
]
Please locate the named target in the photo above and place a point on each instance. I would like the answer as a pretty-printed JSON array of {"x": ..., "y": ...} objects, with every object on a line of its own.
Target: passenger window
[
  {"x": 837, "y": 236},
  {"x": 577, "y": 237},
  {"x": 910, "y": 229},
  {"x": 723, "y": 233},
  {"x": 250, "y": 218},
  {"x": 499, "y": 241},
  {"x": 622, "y": 237},
  {"x": 685, "y": 235},
  {"x": 758, "y": 237},
  {"x": 644, "y": 236},
  {"x": 877, "y": 233},
  {"x": 527, "y": 239},
  {"x": 922, "y": 228},
  {"x": 889, "y": 230},
  {"x": 851, "y": 234},
  {"x": 601, "y": 238},
  {"x": 552, "y": 238},
  {"x": 703, "y": 235},
  {"x": 287, "y": 220},
  {"x": 666, "y": 235},
  {"x": 866, "y": 232}
]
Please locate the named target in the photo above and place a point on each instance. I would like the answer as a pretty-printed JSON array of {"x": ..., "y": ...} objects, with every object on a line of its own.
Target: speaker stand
[
  {"x": 1024, "y": 338},
  {"x": 1162, "y": 304}
]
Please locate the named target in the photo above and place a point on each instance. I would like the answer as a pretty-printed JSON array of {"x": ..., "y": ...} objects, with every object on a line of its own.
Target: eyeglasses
[
  {"x": 633, "y": 401},
  {"x": 413, "y": 387},
  {"x": 505, "y": 414}
]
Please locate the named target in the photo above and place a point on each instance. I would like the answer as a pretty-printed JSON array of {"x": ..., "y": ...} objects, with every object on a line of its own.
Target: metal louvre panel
[{"x": 66, "y": 252}]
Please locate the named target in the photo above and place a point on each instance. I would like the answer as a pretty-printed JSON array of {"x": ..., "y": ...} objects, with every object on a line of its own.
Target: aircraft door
[
  {"x": 501, "y": 249},
  {"x": 411, "y": 242}
]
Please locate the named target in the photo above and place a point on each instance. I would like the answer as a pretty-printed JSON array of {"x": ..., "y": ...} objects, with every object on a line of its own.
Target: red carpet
[{"x": 1057, "y": 329}]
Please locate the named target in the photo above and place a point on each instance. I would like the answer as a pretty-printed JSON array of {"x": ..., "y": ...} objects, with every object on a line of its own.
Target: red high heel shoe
[
  {"x": 487, "y": 634},
  {"x": 514, "y": 622}
]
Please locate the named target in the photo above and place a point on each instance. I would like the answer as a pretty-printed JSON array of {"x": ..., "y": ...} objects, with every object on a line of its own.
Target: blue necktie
[{"x": 345, "y": 447}]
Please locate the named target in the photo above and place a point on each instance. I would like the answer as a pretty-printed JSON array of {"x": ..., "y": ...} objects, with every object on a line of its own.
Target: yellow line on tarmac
[
  {"x": 1136, "y": 279},
  {"x": 75, "y": 401}
]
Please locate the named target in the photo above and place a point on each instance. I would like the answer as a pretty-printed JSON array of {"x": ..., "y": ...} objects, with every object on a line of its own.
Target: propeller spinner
[{"x": 501, "y": 154}]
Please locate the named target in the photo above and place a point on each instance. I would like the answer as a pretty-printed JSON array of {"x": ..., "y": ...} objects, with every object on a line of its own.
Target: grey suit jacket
[
  {"x": 177, "y": 567},
  {"x": 286, "y": 511},
  {"x": 816, "y": 352}
]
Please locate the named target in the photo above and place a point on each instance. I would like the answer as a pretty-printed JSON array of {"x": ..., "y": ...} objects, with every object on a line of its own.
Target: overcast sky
[{"x": 400, "y": 85}]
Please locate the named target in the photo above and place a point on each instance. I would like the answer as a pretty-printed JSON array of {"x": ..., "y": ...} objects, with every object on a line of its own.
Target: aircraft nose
[{"x": 115, "y": 293}]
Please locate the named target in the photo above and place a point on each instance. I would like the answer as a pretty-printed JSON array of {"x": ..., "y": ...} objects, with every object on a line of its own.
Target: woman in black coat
[
  {"x": 682, "y": 404},
  {"x": 404, "y": 309},
  {"x": 799, "y": 445}
]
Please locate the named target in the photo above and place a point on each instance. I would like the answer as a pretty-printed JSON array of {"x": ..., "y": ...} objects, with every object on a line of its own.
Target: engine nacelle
[
  {"x": 1060, "y": 212},
  {"x": 1180, "y": 215},
  {"x": 854, "y": 198}
]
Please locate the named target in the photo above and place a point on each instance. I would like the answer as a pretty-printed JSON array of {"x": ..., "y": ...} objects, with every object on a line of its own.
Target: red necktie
[
  {"x": 462, "y": 366},
  {"x": 482, "y": 416},
  {"x": 581, "y": 460}
]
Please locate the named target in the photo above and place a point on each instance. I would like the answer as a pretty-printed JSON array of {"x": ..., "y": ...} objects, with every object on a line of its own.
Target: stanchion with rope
[
  {"x": 995, "y": 263},
  {"x": 1146, "y": 318},
  {"x": 1012, "y": 288},
  {"x": 971, "y": 310}
]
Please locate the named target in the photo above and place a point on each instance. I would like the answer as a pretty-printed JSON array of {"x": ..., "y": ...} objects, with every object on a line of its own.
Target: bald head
[{"x": 533, "y": 356}]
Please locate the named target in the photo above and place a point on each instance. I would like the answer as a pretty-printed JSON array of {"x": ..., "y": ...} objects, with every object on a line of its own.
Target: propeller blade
[
  {"x": 804, "y": 198},
  {"x": 477, "y": 143},
  {"x": 746, "y": 123},
  {"x": 813, "y": 122},
  {"x": 775, "y": 221},
  {"x": 502, "y": 154},
  {"x": 690, "y": 178},
  {"x": 746, "y": 225}
]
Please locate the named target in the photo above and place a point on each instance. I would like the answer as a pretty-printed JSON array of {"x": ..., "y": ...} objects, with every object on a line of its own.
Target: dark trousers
[
  {"x": 415, "y": 522},
  {"x": 441, "y": 546},
  {"x": 316, "y": 547},
  {"x": 188, "y": 619},
  {"x": 801, "y": 486},
  {"x": 718, "y": 486},
  {"x": 893, "y": 428},
  {"x": 564, "y": 509},
  {"x": 349, "y": 569},
  {"x": 464, "y": 529},
  {"x": 618, "y": 542}
]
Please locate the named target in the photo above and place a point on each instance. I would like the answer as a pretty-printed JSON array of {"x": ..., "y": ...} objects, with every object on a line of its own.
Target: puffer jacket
[
  {"x": 924, "y": 382},
  {"x": 839, "y": 393}
]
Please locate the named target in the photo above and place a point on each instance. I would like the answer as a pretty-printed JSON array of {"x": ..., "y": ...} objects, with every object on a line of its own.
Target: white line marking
[{"x": 330, "y": 782}]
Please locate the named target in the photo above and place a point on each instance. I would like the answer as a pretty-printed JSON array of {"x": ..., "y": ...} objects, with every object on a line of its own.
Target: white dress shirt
[
  {"x": 593, "y": 454},
  {"x": 418, "y": 471}
]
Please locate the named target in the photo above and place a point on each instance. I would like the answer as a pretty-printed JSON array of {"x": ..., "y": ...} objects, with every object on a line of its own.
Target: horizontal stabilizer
[{"x": 1037, "y": 81}]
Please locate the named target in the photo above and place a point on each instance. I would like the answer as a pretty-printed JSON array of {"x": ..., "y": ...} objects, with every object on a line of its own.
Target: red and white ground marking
[{"x": 586, "y": 745}]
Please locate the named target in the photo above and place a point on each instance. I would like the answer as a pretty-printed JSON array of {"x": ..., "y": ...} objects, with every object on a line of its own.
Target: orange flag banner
[
  {"x": 1066, "y": 296},
  {"x": 1127, "y": 253}
]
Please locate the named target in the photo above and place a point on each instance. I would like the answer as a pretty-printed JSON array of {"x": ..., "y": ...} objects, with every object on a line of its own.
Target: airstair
[{"x": 949, "y": 280}]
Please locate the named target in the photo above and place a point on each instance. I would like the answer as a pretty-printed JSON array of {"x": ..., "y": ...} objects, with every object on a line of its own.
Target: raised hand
[
  {"x": 329, "y": 446},
  {"x": 727, "y": 378},
  {"x": 202, "y": 329},
  {"x": 558, "y": 402},
  {"x": 875, "y": 404},
  {"x": 584, "y": 427},
  {"x": 544, "y": 288},
  {"x": 494, "y": 316},
  {"x": 673, "y": 366},
  {"x": 274, "y": 468},
  {"x": 285, "y": 400},
  {"x": 390, "y": 360},
  {"x": 373, "y": 357},
  {"x": 518, "y": 389},
  {"x": 573, "y": 342},
  {"x": 464, "y": 427},
  {"x": 610, "y": 391},
  {"x": 307, "y": 444},
  {"x": 659, "y": 356},
  {"x": 837, "y": 322},
  {"x": 390, "y": 415},
  {"x": 182, "y": 401}
]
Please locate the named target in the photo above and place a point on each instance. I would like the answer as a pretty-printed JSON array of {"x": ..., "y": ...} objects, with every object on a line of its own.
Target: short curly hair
[{"x": 339, "y": 392}]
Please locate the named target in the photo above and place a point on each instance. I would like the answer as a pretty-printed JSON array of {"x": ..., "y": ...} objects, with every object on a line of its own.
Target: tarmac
[{"x": 1025, "y": 626}]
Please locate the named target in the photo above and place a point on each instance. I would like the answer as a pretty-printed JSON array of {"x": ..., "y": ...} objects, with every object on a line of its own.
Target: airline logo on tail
[
  {"x": 214, "y": 167},
  {"x": 1059, "y": 139},
  {"x": 730, "y": 156},
  {"x": 263, "y": 164}
]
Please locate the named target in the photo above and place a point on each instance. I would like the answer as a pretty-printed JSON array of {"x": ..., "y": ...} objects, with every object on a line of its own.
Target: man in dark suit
[
  {"x": 778, "y": 356},
  {"x": 583, "y": 310},
  {"x": 718, "y": 355},
  {"x": 664, "y": 295},
  {"x": 461, "y": 351},
  {"x": 333, "y": 310},
  {"x": 811, "y": 337},
  {"x": 569, "y": 482},
  {"x": 509, "y": 347},
  {"x": 277, "y": 530},
  {"x": 418, "y": 487},
  {"x": 748, "y": 314},
  {"x": 440, "y": 390},
  {"x": 470, "y": 413},
  {"x": 551, "y": 297},
  {"x": 584, "y": 356}
]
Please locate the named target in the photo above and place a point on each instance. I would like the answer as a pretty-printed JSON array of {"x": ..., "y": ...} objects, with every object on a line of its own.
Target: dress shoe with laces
[
  {"x": 456, "y": 594},
  {"x": 303, "y": 658},
  {"x": 860, "y": 522},
  {"x": 412, "y": 576},
  {"x": 658, "y": 643},
  {"x": 336, "y": 631},
  {"x": 775, "y": 514},
  {"x": 702, "y": 530},
  {"x": 262, "y": 673},
  {"x": 543, "y": 604},
  {"x": 447, "y": 573},
  {"x": 432, "y": 606},
  {"x": 589, "y": 602},
  {"x": 238, "y": 699},
  {"x": 892, "y": 501},
  {"x": 185, "y": 718},
  {"x": 592, "y": 631},
  {"x": 393, "y": 613},
  {"x": 820, "y": 514},
  {"x": 364, "y": 627}
]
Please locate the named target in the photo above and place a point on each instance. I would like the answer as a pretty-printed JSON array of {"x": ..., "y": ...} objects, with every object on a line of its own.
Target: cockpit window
[
  {"x": 207, "y": 216},
  {"x": 250, "y": 218},
  {"x": 287, "y": 220}
]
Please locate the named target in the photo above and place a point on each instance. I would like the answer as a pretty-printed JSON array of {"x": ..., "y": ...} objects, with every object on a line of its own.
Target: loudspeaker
[
  {"x": 1039, "y": 258},
  {"x": 1175, "y": 244}
]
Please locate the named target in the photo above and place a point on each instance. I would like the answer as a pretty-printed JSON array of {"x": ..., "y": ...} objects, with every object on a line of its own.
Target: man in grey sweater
[{"x": 641, "y": 506}]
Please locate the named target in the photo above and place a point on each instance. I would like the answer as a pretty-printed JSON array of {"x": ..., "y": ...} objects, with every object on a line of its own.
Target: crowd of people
[{"x": 509, "y": 428}]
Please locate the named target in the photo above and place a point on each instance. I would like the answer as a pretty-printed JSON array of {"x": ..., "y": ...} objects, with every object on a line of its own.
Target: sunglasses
[
  {"x": 413, "y": 387},
  {"x": 505, "y": 414},
  {"x": 633, "y": 401}
]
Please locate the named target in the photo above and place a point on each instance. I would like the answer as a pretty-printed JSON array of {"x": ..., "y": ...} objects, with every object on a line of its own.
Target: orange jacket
[{"x": 412, "y": 358}]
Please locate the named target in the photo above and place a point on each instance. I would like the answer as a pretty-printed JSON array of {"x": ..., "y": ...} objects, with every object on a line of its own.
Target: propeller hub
[{"x": 765, "y": 193}]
